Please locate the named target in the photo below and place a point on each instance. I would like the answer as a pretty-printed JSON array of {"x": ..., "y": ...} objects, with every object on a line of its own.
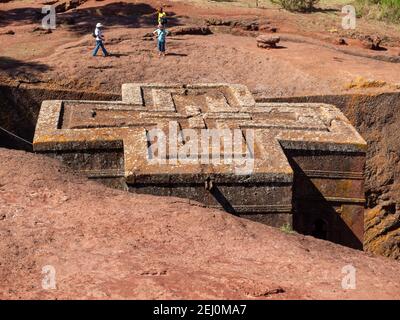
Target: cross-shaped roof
[{"x": 78, "y": 125}]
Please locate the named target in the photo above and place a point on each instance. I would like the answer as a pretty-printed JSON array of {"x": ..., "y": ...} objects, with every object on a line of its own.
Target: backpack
[{"x": 94, "y": 35}]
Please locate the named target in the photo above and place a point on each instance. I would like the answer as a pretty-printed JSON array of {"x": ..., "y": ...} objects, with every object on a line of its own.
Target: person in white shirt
[
  {"x": 99, "y": 40},
  {"x": 161, "y": 33}
]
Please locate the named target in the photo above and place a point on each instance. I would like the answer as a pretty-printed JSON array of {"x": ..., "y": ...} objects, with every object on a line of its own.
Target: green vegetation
[
  {"x": 297, "y": 5},
  {"x": 387, "y": 10},
  {"x": 287, "y": 228}
]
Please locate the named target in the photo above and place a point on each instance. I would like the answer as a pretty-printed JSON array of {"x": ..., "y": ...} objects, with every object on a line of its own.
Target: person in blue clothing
[
  {"x": 161, "y": 33},
  {"x": 98, "y": 33}
]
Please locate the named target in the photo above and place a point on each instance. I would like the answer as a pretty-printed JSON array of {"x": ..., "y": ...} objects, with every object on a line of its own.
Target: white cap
[{"x": 99, "y": 25}]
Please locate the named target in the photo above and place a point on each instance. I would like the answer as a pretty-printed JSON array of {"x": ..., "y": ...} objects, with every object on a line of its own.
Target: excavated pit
[
  {"x": 374, "y": 116},
  {"x": 303, "y": 162}
]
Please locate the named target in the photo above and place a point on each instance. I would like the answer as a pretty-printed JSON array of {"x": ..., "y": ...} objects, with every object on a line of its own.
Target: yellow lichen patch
[
  {"x": 362, "y": 83},
  {"x": 381, "y": 231}
]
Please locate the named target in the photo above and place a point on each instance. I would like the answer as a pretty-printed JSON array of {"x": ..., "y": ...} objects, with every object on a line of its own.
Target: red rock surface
[
  {"x": 306, "y": 64},
  {"x": 106, "y": 243}
]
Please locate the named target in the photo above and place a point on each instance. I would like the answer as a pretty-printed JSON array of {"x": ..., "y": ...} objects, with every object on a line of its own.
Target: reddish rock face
[
  {"x": 304, "y": 162},
  {"x": 108, "y": 244},
  {"x": 381, "y": 230}
]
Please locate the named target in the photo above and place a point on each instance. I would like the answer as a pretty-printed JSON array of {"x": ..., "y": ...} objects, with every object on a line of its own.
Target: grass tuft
[{"x": 386, "y": 10}]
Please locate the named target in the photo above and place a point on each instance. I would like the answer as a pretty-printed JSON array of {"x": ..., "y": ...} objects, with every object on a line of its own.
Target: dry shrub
[{"x": 297, "y": 5}]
